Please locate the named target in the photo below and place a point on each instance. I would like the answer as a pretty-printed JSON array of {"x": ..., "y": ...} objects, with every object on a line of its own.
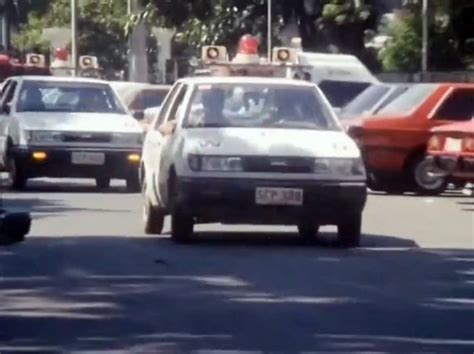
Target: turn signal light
[
  {"x": 134, "y": 158},
  {"x": 468, "y": 144},
  {"x": 435, "y": 143},
  {"x": 40, "y": 155}
]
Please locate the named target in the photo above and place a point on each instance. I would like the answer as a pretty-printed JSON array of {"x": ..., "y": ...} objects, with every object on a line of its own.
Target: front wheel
[
  {"x": 349, "y": 231},
  {"x": 17, "y": 177},
  {"x": 423, "y": 175},
  {"x": 154, "y": 219}
]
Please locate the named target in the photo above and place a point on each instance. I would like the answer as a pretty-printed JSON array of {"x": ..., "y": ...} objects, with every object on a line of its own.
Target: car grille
[
  {"x": 87, "y": 138},
  {"x": 278, "y": 164}
]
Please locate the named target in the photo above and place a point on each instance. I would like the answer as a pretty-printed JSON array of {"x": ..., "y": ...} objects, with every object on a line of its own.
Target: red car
[
  {"x": 451, "y": 150},
  {"x": 394, "y": 141}
]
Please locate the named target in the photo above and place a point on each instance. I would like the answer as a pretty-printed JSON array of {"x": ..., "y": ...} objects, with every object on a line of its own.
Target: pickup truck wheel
[
  {"x": 349, "y": 231},
  {"x": 133, "y": 183},
  {"x": 308, "y": 230},
  {"x": 182, "y": 227},
  {"x": 16, "y": 175},
  {"x": 154, "y": 219},
  {"x": 425, "y": 184},
  {"x": 102, "y": 182}
]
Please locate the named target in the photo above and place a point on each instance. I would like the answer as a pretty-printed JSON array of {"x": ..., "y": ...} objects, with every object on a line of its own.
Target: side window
[
  {"x": 177, "y": 104},
  {"x": 457, "y": 107},
  {"x": 4, "y": 87},
  {"x": 166, "y": 105}
]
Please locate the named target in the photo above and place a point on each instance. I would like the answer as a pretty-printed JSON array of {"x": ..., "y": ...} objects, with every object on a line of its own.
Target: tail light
[
  {"x": 468, "y": 144},
  {"x": 435, "y": 143}
]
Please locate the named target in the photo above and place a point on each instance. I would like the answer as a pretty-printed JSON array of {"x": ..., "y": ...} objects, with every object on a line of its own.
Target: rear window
[
  {"x": 149, "y": 98},
  {"x": 365, "y": 101},
  {"x": 340, "y": 93},
  {"x": 410, "y": 100}
]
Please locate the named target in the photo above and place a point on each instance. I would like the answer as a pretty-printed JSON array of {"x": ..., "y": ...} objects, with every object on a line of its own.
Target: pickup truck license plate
[
  {"x": 452, "y": 145},
  {"x": 88, "y": 158},
  {"x": 278, "y": 196}
]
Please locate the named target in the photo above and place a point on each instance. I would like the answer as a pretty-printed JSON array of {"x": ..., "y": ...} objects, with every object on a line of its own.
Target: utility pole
[
  {"x": 269, "y": 30},
  {"x": 425, "y": 37},
  {"x": 74, "y": 37}
]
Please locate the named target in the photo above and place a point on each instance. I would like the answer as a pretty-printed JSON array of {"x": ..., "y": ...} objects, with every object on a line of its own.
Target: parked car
[
  {"x": 394, "y": 141},
  {"x": 371, "y": 100},
  {"x": 140, "y": 96},
  {"x": 451, "y": 151}
]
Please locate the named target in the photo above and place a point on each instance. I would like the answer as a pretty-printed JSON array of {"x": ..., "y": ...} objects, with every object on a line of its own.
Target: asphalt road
[{"x": 88, "y": 279}]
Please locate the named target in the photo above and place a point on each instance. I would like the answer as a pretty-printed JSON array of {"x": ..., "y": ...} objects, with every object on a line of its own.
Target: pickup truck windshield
[
  {"x": 57, "y": 96},
  {"x": 259, "y": 106}
]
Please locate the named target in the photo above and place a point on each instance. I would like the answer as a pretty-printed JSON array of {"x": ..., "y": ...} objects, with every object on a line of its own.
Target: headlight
[
  {"x": 339, "y": 167},
  {"x": 215, "y": 163},
  {"x": 128, "y": 138},
  {"x": 44, "y": 137}
]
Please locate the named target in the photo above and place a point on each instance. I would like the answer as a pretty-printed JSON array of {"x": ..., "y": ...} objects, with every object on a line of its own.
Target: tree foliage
[{"x": 100, "y": 27}]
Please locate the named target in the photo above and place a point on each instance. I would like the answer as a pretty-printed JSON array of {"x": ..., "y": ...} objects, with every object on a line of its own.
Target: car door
[
  {"x": 167, "y": 152},
  {"x": 154, "y": 139},
  {"x": 457, "y": 107}
]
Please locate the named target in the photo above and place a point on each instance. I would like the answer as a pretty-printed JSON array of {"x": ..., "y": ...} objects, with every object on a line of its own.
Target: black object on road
[{"x": 14, "y": 226}]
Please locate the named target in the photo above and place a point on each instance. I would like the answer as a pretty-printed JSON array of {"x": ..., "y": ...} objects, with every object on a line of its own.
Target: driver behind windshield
[{"x": 210, "y": 112}]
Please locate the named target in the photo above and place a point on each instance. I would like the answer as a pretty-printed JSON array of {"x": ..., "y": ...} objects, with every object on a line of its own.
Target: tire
[
  {"x": 154, "y": 219},
  {"x": 308, "y": 230},
  {"x": 422, "y": 182},
  {"x": 102, "y": 183},
  {"x": 16, "y": 174},
  {"x": 182, "y": 227},
  {"x": 133, "y": 183},
  {"x": 350, "y": 230}
]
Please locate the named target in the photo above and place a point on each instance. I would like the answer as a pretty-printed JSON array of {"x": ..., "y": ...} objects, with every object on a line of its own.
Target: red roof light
[{"x": 249, "y": 44}]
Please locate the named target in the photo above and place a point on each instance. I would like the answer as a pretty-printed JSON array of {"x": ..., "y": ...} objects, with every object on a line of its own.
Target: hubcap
[{"x": 426, "y": 177}]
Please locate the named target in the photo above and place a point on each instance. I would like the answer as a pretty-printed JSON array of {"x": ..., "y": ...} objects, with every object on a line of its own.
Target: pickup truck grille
[
  {"x": 87, "y": 138},
  {"x": 278, "y": 164}
]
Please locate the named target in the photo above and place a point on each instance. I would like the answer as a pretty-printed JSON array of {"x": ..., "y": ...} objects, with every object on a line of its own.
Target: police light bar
[
  {"x": 38, "y": 60},
  {"x": 88, "y": 62},
  {"x": 284, "y": 55},
  {"x": 214, "y": 53}
]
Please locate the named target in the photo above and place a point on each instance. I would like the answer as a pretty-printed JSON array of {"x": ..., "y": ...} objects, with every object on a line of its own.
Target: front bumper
[
  {"x": 455, "y": 166},
  {"x": 118, "y": 163},
  {"x": 233, "y": 201}
]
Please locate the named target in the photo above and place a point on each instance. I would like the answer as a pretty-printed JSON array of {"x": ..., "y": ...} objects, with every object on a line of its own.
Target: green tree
[{"x": 100, "y": 26}]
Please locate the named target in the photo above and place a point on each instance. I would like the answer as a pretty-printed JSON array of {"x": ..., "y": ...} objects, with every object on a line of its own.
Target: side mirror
[
  {"x": 138, "y": 115},
  {"x": 167, "y": 128},
  {"x": 6, "y": 108}
]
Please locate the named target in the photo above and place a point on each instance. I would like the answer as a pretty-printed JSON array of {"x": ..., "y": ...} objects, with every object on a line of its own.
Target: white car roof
[
  {"x": 59, "y": 79},
  {"x": 244, "y": 80}
]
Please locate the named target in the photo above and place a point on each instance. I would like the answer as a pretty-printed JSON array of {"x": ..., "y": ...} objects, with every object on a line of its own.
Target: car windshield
[
  {"x": 259, "y": 106},
  {"x": 63, "y": 96},
  {"x": 340, "y": 93},
  {"x": 365, "y": 101},
  {"x": 410, "y": 100}
]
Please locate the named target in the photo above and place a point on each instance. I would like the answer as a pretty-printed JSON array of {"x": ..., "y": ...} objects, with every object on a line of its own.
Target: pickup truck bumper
[
  {"x": 77, "y": 162},
  {"x": 234, "y": 201}
]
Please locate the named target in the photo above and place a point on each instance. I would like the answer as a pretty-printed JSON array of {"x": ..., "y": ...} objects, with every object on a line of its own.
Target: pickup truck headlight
[
  {"x": 344, "y": 167},
  {"x": 215, "y": 163},
  {"x": 44, "y": 137},
  {"x": 128, "y": 138}
]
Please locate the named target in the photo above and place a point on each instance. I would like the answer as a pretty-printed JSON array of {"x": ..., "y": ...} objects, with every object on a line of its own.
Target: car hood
[
  {"x": 269, "y": 142},
  {"x": 79, "y": 122}
]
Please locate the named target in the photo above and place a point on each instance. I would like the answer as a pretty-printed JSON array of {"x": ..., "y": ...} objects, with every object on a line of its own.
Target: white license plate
[
  {"x": 278, "y": 196},
  {"x": 88, "y": 158},
  {"x": 452, "y": 145}
]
